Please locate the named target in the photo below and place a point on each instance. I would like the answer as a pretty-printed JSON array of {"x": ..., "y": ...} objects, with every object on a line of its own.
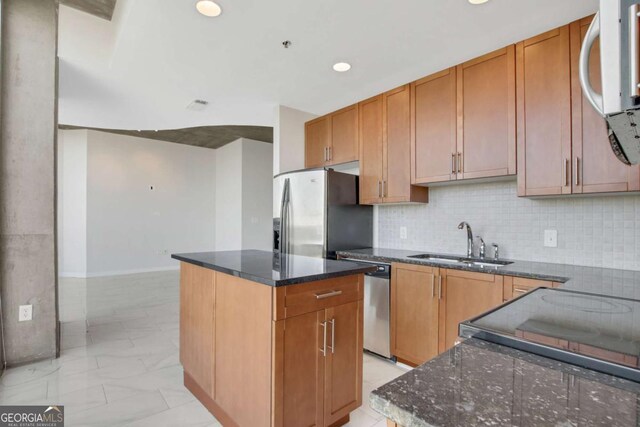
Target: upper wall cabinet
[
  {"x": 543, "y": 73},
  {"x": 595, "y": 167},
  {"x": 332, "y": 139},
  {"x": 433, "y": 126},
  {"x": 487, "y": 115},
  {"x": 317, "y": 137},
  {"x": 563, "y": 147},
  {"x": 464, "y": 120},
  {"x": 385, "y": 150}
]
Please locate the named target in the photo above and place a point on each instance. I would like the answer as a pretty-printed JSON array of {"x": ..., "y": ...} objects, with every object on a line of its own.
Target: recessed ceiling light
[
  {"x": 341, "y": 67},
  {"x": 208, "y": 8},
  {"x": 478, "y": 1}
]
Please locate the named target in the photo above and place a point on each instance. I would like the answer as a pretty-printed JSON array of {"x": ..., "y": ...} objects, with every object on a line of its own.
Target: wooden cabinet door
[
  {"x": 595, "y": 168},
  {"x": 317, "y": 134},
  {"x": 544, "y": 114},
  {"x": 433, "y": 128},
  {"x": 465, "y": 295},
  {"x": 371, "y": 149},
  {"x": 397, "y": 145},
  {"x": 343, "y": 369},
  {"x": 487, "y": 115},
  {"x": 414, "y": 312},
  {"x": 299, "y": 371},
  {"x": 344, "y": 136}
]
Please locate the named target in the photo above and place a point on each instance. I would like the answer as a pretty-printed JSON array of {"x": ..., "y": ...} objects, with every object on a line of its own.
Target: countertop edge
[
  {"x": 451, "y": 266},
  {"x": 275, "y": 283}
]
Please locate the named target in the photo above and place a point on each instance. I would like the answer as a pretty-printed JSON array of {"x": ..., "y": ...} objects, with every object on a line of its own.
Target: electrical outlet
[
  {"x": 25, "y": 312},
  {"x": 403, "y": 233},
  {"x": 551, "y": 238}
]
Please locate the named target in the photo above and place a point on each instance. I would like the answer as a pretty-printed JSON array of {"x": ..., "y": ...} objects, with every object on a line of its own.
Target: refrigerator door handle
[{"x": 284, "y": 217}]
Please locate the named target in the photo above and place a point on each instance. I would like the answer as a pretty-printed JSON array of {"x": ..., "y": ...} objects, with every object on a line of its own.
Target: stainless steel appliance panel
[
  {"x": 377, "y": 334},
  {"x": 303, "y": 213}
]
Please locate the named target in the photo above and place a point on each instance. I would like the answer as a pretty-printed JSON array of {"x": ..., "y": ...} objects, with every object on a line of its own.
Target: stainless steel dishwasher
[{"x": 377, "y": 337}]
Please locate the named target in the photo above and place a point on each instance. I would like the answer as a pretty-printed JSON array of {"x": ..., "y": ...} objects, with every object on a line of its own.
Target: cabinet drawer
[
  {"x": 516, "y": 286},
  {"x": 294, "y": 300}
]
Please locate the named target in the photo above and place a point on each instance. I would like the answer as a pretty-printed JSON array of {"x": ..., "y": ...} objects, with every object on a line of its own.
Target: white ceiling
[{"x": 140, "y": 70}]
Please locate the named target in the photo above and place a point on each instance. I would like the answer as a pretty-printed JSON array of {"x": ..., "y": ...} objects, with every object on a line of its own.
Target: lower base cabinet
[
  {"x": 256, "y": 355},
  {"x": 428, "y": 303},
  {"x": 465, "y": 295},
  {"x": 318, "y": 351}
]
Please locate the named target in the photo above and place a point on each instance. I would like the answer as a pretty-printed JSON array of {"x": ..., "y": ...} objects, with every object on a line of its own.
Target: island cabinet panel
[
  {"x": 258, "y": 355},
  {"x": 343, "y": 368},
  {"x": 317, "y": 136},
  {"x": 299, "y": 389},
  {"x": 197, "y": 346},
  {"x": 371, "y": 149},
  {"x": 464, "y": 295},
  {"x": 415, "y": 292},
  {"x": 433, "y": 127},
  {"x": 543, "y": 73},
  {"x": 595, "y": 168},
  {"x": 487, "y": 115},
  {"x": 243, "y": 350},
  {"x": 344, "y": 136}
]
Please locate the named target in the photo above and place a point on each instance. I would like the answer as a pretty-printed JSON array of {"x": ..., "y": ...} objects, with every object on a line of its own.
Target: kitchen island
[{"x": 272, "y": 340}]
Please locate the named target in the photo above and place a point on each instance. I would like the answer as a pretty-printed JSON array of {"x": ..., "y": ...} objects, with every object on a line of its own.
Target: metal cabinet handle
[
  {"x": 439, "y": 287},
  {"x": 433, "y": 286},
  {"x": 328, "y": 294},
  {"x": 634, "y": 50},
  {"x": 453, "y": 163},
  {"x": 567, "y": 166},
  {"x": 459, "y": 162},
  {"x": 577, "y": 172},
  {"x": 323, "y": 350},
  {"x": 384, "y": 189},
  {"x": 329, "y": 150},
  {"x": 380, "y": 189},
  {"x": 333, "y": 335},
  {"x": 520, "y": 290},
  {"x": 325, "y": 154}
]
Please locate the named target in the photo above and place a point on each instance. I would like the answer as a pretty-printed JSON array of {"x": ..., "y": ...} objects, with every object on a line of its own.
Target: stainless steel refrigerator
[{"x": 316, "y": 213}]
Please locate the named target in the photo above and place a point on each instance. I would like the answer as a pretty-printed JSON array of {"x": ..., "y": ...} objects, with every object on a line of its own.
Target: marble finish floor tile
[{"x": 120, "y": 364}]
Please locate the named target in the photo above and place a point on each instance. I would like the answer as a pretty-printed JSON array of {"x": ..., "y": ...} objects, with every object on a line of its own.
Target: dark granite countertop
[
  {"x": 604, "y": 281},
  {"x": 273, "y": 269},
  {"x": 479, "y": 383}
]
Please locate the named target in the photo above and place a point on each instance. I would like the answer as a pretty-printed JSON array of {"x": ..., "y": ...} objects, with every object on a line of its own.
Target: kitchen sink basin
[{"x": 480, "y": 262}]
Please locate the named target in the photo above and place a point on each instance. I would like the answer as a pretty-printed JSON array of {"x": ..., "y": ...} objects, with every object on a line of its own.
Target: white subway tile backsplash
[{"x": 599, "y": 231}]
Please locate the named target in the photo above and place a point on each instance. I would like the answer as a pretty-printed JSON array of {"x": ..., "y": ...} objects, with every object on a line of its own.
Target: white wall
[
  {"x": 229, "y": 197},
  {"x": 112, "y": 222},
  {"x": 243, "y": 198},
  {"x": 257, "y": 202},
  {"x": 133, "y": 228},
  {"x": 72, "y": 206},
  {"x": 288, "y": 139},
  {"x": 593, "y": 231}
]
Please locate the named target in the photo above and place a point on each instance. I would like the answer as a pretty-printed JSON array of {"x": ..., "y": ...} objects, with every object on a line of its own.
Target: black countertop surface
[
  {"x": 478, "y": 383},
  {"x": 273, "y": 269},
  {"x": 603, "y": 281}
]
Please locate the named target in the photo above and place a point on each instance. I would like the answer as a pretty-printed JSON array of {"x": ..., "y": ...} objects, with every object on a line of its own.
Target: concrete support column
[{"x": 28, "y": 121}]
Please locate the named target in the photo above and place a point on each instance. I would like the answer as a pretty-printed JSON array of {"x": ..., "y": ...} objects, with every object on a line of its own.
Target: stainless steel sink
[{"x": 480, "y": 262}]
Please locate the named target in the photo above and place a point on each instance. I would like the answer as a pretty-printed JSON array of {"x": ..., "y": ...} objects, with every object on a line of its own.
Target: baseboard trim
[{"x": 116, "y": 272}]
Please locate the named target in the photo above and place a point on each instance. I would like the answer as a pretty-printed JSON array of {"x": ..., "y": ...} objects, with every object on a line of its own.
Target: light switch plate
[
  {"x": 403, "y": 233},
  {"x": 551, "y": 238},
  {"x": 25, "y": 312}
]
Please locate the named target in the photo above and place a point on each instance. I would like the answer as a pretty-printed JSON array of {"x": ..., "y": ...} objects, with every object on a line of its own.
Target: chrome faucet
[
  {"x": 483, "y": 248},
  {"x": 469, "y": 237}
]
